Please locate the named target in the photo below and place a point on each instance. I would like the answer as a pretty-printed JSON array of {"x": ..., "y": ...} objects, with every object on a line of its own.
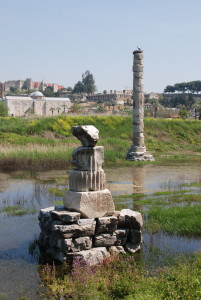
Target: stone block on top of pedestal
[
  {"x": 87, "y": 134},
  {"x": 88, "y": 158},
  {"x": 90, "y": 204}
]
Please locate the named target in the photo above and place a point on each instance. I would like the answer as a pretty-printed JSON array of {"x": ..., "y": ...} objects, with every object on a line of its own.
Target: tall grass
[
  {"x": 184, "y": 220},
  {"x": 54, "y": 133}
]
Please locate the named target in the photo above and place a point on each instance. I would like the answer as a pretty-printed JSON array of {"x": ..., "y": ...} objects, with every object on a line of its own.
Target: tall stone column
[{"x": 138, "y": 150}]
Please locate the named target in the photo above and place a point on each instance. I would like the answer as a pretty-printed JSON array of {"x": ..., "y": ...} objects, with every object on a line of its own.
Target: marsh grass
[
  {"x": 57, "y": 191},
  {"x": 170, "y": 211},
  {"x": 123, "y": 278},
  {"x": 193, "y": 184},
  {"x": 17, "y": 210},
  {"x": 26, "y": 142},
  {"x": 185, "y": 220}
]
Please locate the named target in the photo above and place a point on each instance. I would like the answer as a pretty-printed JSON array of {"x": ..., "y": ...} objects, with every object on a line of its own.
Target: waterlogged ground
[{"x": 22, "y": 195}]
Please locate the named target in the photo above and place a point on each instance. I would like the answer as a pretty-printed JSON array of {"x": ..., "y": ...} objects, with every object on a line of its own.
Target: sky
[{"x": 59, "y": 40}]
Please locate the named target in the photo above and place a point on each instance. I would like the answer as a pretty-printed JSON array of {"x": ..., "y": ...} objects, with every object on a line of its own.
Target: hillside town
[{"x": 24, "y": 98}]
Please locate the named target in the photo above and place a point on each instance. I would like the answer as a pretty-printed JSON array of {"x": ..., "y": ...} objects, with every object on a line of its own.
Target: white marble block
[{"x": 90, "y": 204}]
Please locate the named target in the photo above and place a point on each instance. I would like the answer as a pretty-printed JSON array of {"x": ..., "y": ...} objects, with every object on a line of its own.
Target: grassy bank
[
  {"x": 123, "y": 278},
  {"x": 47, "y": 143}
]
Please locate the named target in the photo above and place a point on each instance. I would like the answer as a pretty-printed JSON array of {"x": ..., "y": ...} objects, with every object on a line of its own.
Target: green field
[{"x": 47, "y": 143}]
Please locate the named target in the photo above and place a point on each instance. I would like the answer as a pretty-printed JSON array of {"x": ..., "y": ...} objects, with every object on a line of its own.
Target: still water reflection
[{"x": 18, "y": 261}]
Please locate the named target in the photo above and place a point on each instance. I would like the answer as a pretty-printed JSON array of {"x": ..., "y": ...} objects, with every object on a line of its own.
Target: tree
[
  {"x": 155, "y": 104},
  {"x": 197, "y": 108},
  {"x": 76, "y": 108},
  {"x": 79, "y": 87},
  {"x": 69, "y": 88},
  {"x": 183, "y": 113},
  {"x": 169, "y": 89},
  {"x": 3, "y": 109},
  {"x": 48, "y": 92},
  {"x": 89, "y": 82},
  {"x": 14, "y": 90},
  {"x": 191, "y": 87}
]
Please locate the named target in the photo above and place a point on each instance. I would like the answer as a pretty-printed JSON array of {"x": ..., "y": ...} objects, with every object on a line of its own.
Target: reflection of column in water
[{"x": 138, "y": 174}]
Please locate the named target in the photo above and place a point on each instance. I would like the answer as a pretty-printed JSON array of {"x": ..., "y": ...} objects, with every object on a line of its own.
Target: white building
[{"x": 36, "y": 104}]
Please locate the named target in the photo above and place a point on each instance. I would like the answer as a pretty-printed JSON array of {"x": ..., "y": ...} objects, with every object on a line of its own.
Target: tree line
[{"x": 183, "y": 87}]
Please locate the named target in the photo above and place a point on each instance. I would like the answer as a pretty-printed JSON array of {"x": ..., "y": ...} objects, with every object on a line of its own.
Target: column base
[{"x": 139, "y": 156}]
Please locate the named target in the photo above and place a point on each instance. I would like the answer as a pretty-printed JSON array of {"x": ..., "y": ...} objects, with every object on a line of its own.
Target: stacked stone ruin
[
  {"x": 138, "y": 151},
  {"x": 87, "y": 225}
]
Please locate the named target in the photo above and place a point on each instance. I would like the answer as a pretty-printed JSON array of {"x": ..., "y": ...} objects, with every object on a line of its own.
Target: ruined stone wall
[{"x": 65, "y": 235}]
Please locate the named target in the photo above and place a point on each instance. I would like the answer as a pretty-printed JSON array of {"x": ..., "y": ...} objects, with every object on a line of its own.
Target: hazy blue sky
[{"x": 59, "y": 40}]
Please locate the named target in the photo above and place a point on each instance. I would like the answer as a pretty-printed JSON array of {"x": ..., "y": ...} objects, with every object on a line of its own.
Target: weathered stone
[
  {"x": 106, "y": 224},
  {"x": 139, "y": 88},
  {"x": 91, "y": 257},
  {"x": 45, "y": 213},
  {"x": 85, "y": 227},
  {"x": 90, "y": 204},
  {"x": 104, "y": 239},
  {"x": 135, "y": 236},
  {"x": 56, "y": 240},
  {"x": 67, "y": 245},
  {"x": 138, "y": 108},
  {"x": 132, "y": 248},
  {"x": 65, "y": 216},
  {"x": 138, "y": 68},
  {"x": 88, "y": 158},
  {"x": 43, "y": 240},
  {"x": 81, "y": 243},
  {"x": 87, "y": 134},
  {"x": 117, "y": 250},
  {"x": 56, "y": 254},
  {"x": 45, "y": 219},
  {"x": 85, "y": 181},
  {"x": 138, "y": 75},
  {"x": 121, "y": 235},
  {"x": 130, "y": 219}
]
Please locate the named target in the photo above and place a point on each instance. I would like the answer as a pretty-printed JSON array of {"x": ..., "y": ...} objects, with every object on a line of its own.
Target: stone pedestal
[
  {"x": 87, "y": 194},
  {"x": 87, "y": 227},
  {"x": 90, "y": 204},
  {"x": 138, "y": 152},
  {"x": 66, "y": 236}
]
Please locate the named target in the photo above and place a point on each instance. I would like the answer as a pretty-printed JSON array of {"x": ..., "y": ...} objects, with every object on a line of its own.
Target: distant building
[
  {"x": 120, "y": 97},
  {"x": 29, "y": 84},
  {"x": 36, "y": 104},
  {"x": 152, "y": 96},
  {"x": 147, "y": 105}
]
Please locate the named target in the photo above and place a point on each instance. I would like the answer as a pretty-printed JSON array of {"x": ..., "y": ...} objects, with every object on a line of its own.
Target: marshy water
[{"x": 22, "y": 194}]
